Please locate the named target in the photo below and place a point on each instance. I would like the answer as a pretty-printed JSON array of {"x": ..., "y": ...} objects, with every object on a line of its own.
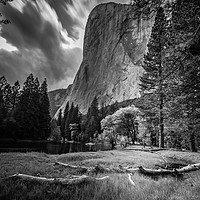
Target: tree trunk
[
  {"x": 192, "y": 141},
  {"x": 132, "y": 135},
  {"x": 161, "y": 122},
  {"x": 133, "y": 132}
]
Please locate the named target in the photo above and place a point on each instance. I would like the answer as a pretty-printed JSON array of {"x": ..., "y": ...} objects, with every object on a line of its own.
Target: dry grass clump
[
  {"x": 112, "y": 158},
  {"x": 117, "y": 187}
]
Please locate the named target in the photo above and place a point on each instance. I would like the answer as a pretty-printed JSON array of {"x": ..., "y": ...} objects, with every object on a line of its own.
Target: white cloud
[
  {"x": 6, "y": 46},
  {"x": 18, "y": 4}
]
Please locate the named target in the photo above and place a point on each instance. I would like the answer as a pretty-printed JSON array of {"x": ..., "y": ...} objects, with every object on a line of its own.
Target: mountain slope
[{"x": 57, "y": 98}]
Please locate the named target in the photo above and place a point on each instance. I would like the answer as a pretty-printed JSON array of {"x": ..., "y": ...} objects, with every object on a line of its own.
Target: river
[{"x": 48, "y": 147}]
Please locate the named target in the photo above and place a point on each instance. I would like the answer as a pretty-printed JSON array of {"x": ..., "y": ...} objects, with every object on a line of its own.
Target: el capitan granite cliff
[{"x": 114, "y": 44}]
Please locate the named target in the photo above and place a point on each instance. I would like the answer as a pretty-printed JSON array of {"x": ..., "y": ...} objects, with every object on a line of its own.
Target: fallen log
[
  {"x": 157, "y": 172},
  {"x": 64, "y": 181},
  {"x": 141, "y": 170}
]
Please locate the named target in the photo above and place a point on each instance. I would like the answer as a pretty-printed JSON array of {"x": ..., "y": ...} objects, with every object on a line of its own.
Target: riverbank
[{"x": 116, "y": 187}]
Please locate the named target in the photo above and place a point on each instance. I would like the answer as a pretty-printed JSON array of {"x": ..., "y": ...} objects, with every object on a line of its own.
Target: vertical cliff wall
[{"x": 114, "y": 44}]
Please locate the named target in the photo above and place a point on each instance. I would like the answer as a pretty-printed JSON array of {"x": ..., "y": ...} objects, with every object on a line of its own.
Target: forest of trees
[
  {"x": 170, "y": 85},
  {"x": 24, "y": 113},
  {"x": 88, "y": 126}
]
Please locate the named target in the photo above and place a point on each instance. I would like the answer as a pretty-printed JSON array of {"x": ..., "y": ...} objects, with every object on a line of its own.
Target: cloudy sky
[{"x": 45, "y": 38}]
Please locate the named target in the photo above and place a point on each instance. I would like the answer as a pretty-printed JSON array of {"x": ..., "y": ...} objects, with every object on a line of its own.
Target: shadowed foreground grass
[{"x": 116, "y": 187}]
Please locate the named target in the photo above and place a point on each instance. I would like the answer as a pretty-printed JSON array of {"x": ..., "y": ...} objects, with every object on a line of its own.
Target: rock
[
  {"x": 112, "y": 56},
  {"x": 57, "y": 98}
]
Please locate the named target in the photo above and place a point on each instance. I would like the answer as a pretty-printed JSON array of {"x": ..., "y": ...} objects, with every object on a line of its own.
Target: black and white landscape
[{"x": 99, "y": 99}]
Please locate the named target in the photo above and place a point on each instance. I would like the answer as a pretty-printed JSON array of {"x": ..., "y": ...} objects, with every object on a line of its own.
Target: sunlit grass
[{"x": 117, "y": 187}]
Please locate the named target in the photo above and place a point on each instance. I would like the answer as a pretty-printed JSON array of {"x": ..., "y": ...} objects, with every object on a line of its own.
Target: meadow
[{"x": 116, "y": 187}]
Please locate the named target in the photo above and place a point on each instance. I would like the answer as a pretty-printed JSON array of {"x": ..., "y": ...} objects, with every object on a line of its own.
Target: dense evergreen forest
[
  {"x": 87, "y": 127},
  {"x": 170, "y": 85},
  {"x": 24, "y": 113}
]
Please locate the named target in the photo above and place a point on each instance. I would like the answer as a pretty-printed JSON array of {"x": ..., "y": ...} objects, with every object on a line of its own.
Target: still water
[{"x": 48, "y": 147}]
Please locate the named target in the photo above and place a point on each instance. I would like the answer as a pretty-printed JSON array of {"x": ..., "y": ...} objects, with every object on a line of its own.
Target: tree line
[
  {"x": 88, "y": 126},
  {"x": 24, "y": 112}
]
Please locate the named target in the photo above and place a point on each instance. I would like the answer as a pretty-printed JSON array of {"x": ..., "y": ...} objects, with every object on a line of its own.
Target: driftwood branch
[
  {"x": 131, "y": 180},
  {"x": 64, "y": 181},
  {"x": 141, "y": 170},
  {"x": 80, "y": 179},
  {"x": 153, "y": 172}
]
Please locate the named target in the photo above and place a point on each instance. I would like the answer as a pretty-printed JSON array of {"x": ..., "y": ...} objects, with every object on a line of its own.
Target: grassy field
[{"x": 116, "y": 187}]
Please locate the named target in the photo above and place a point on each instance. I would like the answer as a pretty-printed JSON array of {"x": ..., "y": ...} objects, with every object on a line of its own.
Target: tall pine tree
[
  {"x": 2, "y": 112},
  {"x": 69, "y": 121},
  {"x": 15, "y": 94},
  {"x": 92, "y": 123},
  {"x": 184, "y": 45},
  {"x": 44, "y": 113},
  {"x": 28, "y": 109},
  {"x": 3, "y": 83},
  {"x": 154, "y": 66}
]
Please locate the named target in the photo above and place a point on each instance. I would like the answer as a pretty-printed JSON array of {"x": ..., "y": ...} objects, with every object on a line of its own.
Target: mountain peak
[{"x": 114, "y": 45}]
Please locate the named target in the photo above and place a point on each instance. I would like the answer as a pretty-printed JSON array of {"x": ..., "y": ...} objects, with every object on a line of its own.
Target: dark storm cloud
[
  {"x": 39, "y": 36},
  {"x": 18, "y": 65},
  {"x": 12, "y": 65},
  {"x": 67, "y": 22},
  {"x": 30, "y": 30}
]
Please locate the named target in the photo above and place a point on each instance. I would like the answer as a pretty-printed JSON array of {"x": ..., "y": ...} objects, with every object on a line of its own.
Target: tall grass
[{"x": 117, "y": 187}]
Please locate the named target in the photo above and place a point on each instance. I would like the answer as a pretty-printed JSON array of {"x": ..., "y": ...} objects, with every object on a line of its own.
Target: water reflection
[
  {"x": 65, "y": 148},
  {"x": 48, "y": 147}
]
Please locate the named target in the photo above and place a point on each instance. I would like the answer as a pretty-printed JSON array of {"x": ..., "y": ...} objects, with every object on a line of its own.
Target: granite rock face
[
  {"x": 114, "y": 45},
  {"x": 57, "y": 98}
]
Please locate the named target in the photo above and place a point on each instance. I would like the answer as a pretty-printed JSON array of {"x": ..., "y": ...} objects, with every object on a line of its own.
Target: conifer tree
[
  {"x": 75, "y": 117},
  {"x": 6, "y": 92},
  {"x": 154, "y": 66},
  {"x": 44, "y": 113},
  {"x": 102, "y": 112},
  {"x": 69, "y": 121},
  {"x": 28, "y": 108},
  {"x": 93, "y": 119},
  {"x": 15, "y": 94},
  {"x": 191, "y": 89},
  {"x": 184, "y": 42},
  {"x": 2, "y": 112}
]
